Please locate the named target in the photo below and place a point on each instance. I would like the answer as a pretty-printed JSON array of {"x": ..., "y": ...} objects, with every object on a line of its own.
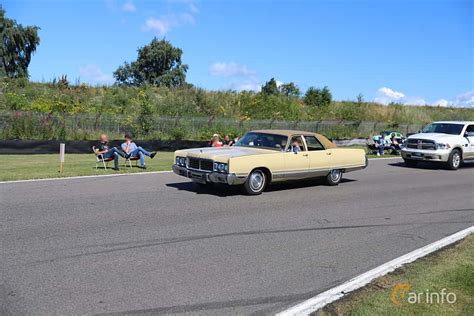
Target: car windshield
[
  {"x": 263, "y": 140},
  {"x": 443, "y": 128}
]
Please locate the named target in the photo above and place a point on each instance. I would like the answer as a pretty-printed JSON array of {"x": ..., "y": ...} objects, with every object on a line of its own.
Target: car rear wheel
[
  {"x": 410, "y": 163},
  {"x": 454, "y": 160},
  {"x": 334, "y": 177},
  {"x": 256, "y": 182}
]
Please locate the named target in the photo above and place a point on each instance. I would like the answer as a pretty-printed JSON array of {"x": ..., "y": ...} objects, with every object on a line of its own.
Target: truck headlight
[
  {"x": 181, "y": 161},
  {"x": 221, "y": 167},
  {"x": 442, "y": 146}
]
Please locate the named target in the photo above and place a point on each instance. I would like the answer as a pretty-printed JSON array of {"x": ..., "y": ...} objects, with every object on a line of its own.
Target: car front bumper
[
  {"x": 425, "y": 155},
  {"x": 209, "y": 177}
]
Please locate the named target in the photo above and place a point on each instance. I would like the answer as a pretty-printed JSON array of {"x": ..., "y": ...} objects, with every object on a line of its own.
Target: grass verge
[
  {"x": 451, "y": 269},
  {"x": 23, "y": 167}
]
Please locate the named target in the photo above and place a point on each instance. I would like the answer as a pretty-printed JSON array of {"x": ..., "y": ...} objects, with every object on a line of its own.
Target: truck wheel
[
  {"x": 410, "y": 163},
  {"x": 454, "y": 160},
  {"x": 255, "y": 183},
  {"x": 334, "y": 177}
]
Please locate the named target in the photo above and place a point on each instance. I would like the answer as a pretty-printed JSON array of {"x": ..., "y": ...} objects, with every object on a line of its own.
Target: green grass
[
  {"x": 21, "y": 167},
  {"x": 451, "y": 268}
]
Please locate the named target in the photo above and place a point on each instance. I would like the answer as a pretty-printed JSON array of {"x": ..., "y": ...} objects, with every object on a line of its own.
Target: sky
[{"x": 411, "y": 52}]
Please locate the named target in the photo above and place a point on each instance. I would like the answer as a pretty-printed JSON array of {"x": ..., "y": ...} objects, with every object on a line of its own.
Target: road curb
[{"x": 331, "y": 295}]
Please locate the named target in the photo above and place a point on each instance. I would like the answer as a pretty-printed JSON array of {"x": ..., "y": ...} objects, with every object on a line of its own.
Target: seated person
[
  {"x": 215, "y": 141},
  {"x": 227, "y": 141},
  {"x": 283, "y": 145},
  {"x": 102, "y": 148},
  {"x": 295, "y": 145},
  {"x": 130, "y": 148}
]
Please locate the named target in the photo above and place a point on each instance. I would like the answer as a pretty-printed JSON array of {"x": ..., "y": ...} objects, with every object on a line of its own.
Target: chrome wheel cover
[
  {"x": 336, "y": 175},
  {"x": 257, "y": 181},
  {"x": 456, "y": 160}
]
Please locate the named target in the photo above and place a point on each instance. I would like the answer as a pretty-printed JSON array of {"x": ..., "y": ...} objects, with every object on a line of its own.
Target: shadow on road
[
  {"x": 430, "y": 166},
  {"x": 224, "y": 190}
]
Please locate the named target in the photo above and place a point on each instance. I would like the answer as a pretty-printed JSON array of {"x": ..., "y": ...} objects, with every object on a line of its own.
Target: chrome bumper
[
  {"x": 209, "y": 177},
  {"x": 425, "y": 155}
]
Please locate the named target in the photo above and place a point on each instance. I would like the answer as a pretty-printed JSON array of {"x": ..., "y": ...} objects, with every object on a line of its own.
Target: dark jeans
[
  {"x": 114, "y": 153},
  {"x": 140, "y": 152}
]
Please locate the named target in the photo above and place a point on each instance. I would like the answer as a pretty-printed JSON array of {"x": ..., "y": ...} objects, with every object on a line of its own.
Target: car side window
[
  {"x": 313, "y": 143},
  {"x": 296, "y": 141},
  {"x": 470, "y": 130}
]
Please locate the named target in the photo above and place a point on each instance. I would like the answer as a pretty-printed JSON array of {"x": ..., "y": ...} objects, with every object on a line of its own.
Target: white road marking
[
  {"x": 319, "y": 301},
  {"x": 83, "y": 177},
  {"x": 120, "y": 174}
]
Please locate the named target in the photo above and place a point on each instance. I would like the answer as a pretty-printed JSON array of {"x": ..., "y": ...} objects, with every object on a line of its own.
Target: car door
[
  {"x": 319, "y": 157},
  {"x": 296, "y": 162},
  {"x": 469, "y": 135}
]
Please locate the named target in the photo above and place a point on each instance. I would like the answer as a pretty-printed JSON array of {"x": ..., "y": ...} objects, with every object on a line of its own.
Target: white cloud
[
  {"x": 247, "y": 86},
  {"x": 193, "y": 8},
  {"x": 464, "y": 100},
  {"x": 165, "y": 23},
  {"x": 129, "y": 7},
  {"x": 95, "y": 74},
  {"x": 442, "y": 103},
  {"x": 161, "y": 26},
  {"x": 231, "y": 69},
  {"x": 386, "y": 96}
]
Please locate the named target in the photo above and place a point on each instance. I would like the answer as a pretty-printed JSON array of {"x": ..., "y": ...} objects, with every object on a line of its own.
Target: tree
[
  {"x": 326, "y": 97},
  {"x": 270, "y": 87},
  {"x": 312, "y": 97},
  {"x": 17, "y": 45},
  {"x": 158, "y": 64},
  {"x": 290, "y": 89},
  {"x": 318, "y": 97}
]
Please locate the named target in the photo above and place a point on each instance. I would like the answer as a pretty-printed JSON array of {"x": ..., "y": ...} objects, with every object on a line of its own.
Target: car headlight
[
  {"x": 442, "y": 146},
  {"x": 181, "y": 161},
  {"x": 221, "y": 167}
]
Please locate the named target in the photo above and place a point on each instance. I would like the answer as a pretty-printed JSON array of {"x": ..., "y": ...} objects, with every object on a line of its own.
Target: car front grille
[
  {"x": 416, "y": 143},
  {"x": 200, "y": 164}
]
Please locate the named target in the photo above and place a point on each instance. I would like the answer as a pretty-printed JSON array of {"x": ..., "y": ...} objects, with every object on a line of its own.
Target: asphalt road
[{"x": 155, "y": 244}]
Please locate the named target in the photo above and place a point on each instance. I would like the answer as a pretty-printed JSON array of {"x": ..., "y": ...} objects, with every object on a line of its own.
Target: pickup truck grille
[
  {"x": 200, "y": 164},
  {"x": 416, "y": 143}
]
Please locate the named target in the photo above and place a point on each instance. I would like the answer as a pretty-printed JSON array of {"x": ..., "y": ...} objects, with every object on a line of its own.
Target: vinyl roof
[{"x": 286, "y": 132}]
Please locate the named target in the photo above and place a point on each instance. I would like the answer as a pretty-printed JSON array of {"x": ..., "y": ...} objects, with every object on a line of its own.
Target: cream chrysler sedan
[{"x": 267, "y": 156}]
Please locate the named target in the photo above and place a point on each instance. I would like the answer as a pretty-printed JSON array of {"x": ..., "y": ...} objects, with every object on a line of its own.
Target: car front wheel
[
  {"x": 454, "y": 160},
  {"x": 255, "y": 183},
  {"x": 334, "y": 177}
]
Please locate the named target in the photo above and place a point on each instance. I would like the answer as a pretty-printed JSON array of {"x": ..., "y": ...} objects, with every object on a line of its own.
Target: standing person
[
  {"x": 129, "y": 147},
  {"x": 381, "y": 143},
  {"x": 227, "y": 141},
  {"x": 215, "y": 141},
  {"x": 102, "y": 148}
]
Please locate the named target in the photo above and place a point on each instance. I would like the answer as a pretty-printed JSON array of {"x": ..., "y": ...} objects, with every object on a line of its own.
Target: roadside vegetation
[
  {"x": 59, "y": 110},
  {"x": 451, "y": 269},
  {"x": 152, "y": 99}
]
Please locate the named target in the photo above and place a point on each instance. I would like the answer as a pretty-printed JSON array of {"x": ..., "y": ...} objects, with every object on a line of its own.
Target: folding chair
[
  {"x": 129, "y": 161},
  {"x": 100, "y": 159}
]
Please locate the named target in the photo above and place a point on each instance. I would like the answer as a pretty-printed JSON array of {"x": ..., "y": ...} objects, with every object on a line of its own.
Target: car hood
[
  {"x": 222, "y": 154},
  {"x": 437, "y": 137}
]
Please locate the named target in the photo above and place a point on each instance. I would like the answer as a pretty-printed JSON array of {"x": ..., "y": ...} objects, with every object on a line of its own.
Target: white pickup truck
[{"x": 448, "y": 142}]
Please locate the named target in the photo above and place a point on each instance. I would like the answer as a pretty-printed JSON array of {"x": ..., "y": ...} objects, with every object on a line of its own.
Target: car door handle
[
  {"x": 328, "y": 154},
  {"x": 305, "y": 155}
]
